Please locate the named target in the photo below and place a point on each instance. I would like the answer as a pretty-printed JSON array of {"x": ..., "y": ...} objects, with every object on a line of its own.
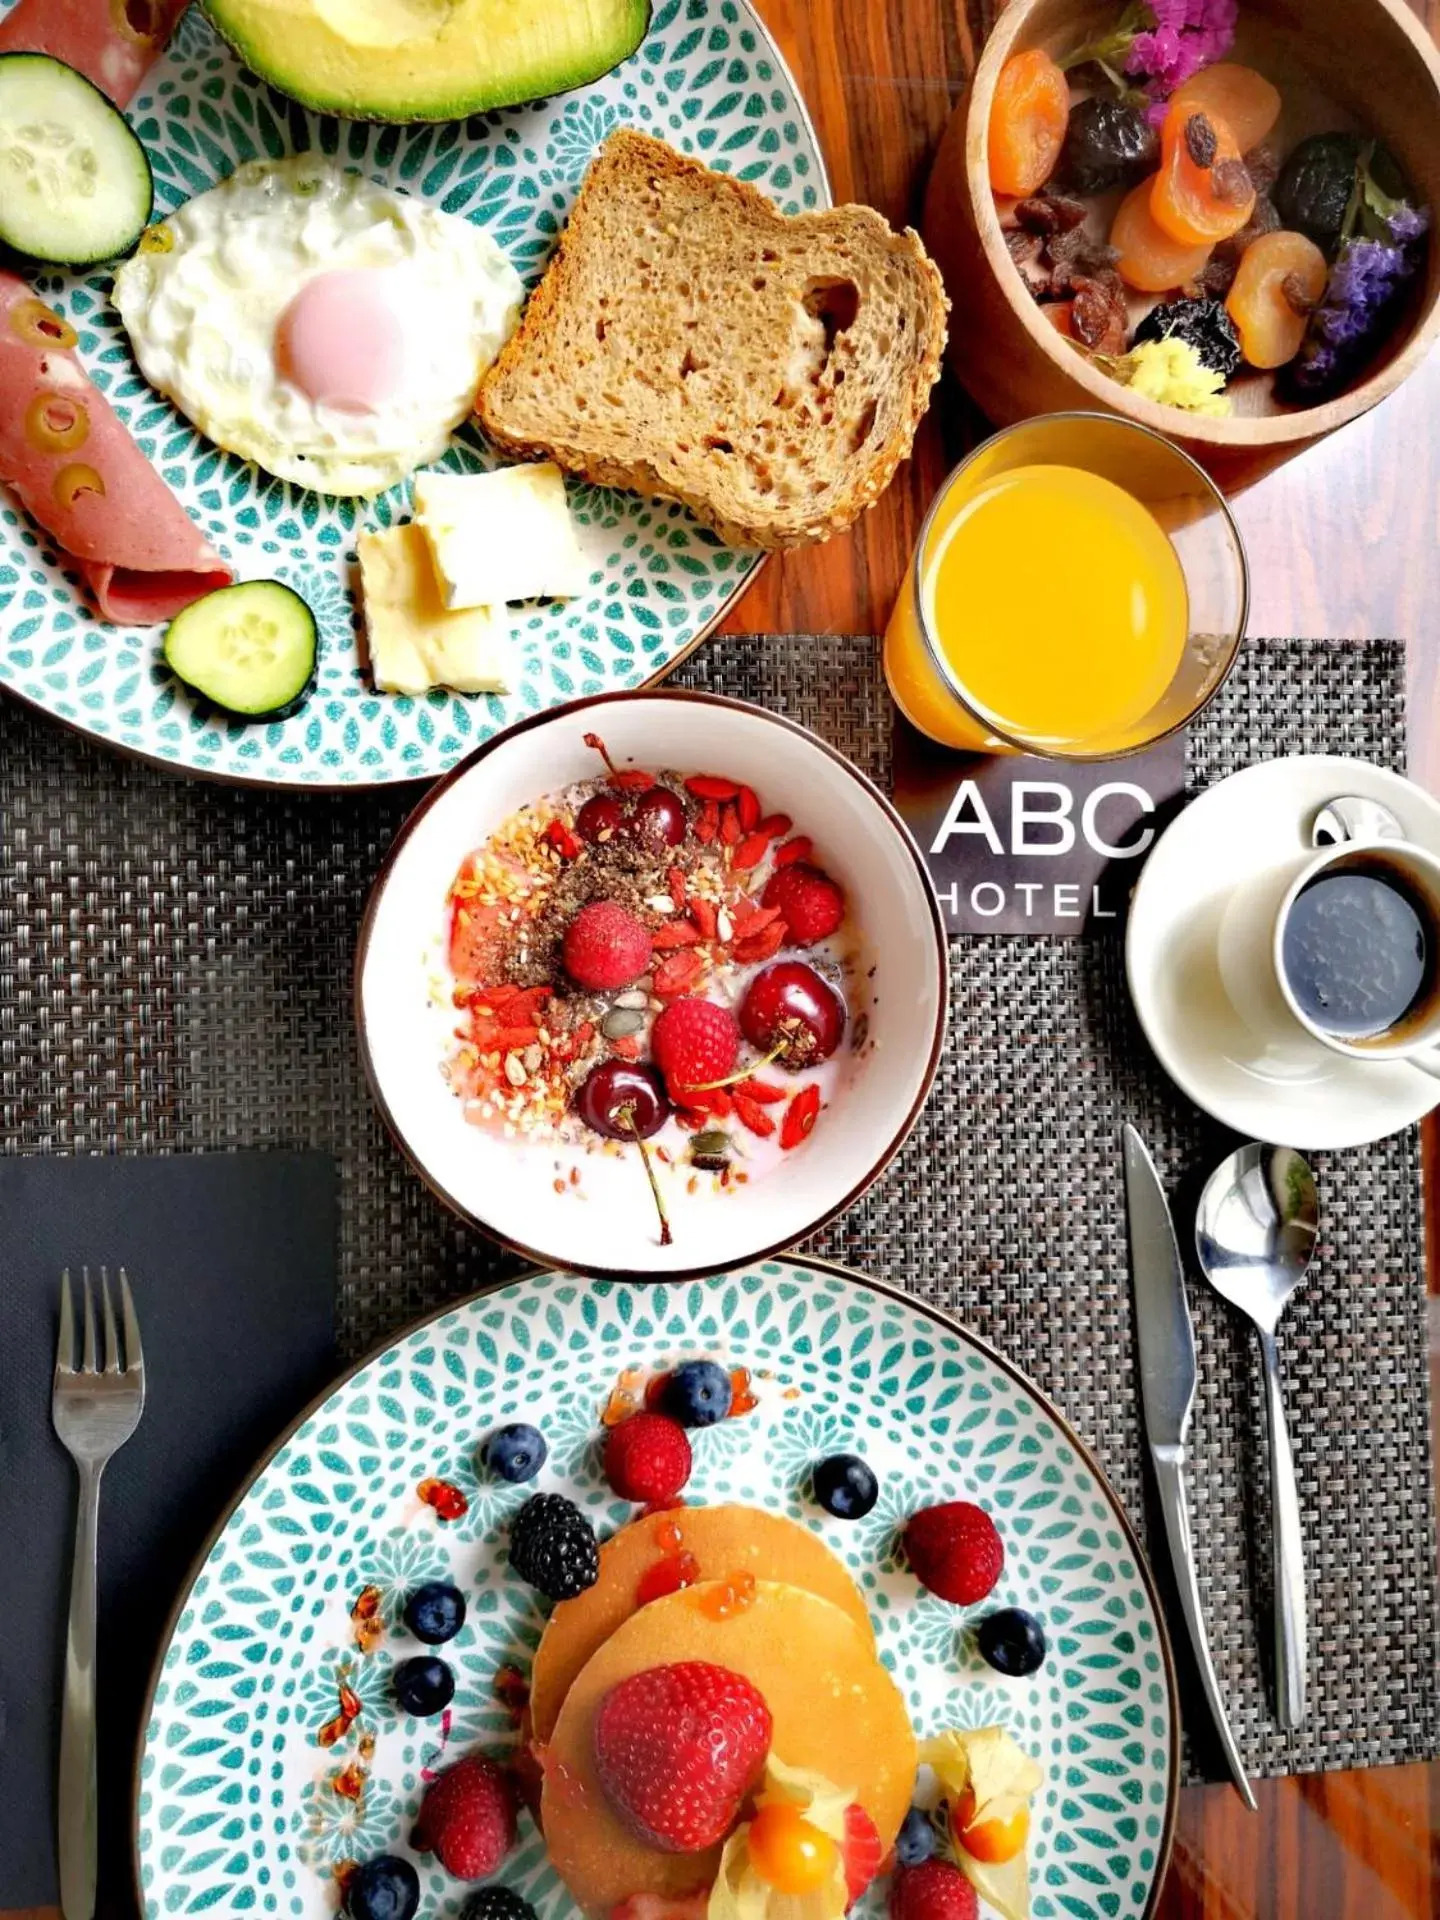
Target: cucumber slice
[
  {"x": 75, "y": 184},
  {"x": 250, "y": 648}
]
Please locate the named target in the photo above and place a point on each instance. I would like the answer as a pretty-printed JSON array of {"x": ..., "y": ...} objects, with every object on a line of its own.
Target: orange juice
[{"x": 1059, "y": 606}]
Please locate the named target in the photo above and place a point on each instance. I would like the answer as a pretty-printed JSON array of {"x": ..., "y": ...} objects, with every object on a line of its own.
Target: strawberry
[
  {"x": 678, "y": 1748},
  {"x": 810, "y": 902},
  {"x": 467, "y": 1818},
  {"x": 647, "y": 1457},
  {"x": 934, "y": 1890},
  {"x": 605, "y": 947},
  {"x": 955, "y": 1551},
  {"x": 694, "y": 1042},
  {"x": 862, "y": 1851}
]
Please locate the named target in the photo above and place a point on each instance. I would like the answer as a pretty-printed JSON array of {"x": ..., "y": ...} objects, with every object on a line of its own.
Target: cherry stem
[
  {"x": 741, "y": 1073},
  {"x": 597, "y": 745},
  {"x": 626, "y": 1117}
]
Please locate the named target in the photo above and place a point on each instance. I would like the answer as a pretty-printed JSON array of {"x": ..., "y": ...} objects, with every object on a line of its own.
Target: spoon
[{"x": 1255, "y": 1231}]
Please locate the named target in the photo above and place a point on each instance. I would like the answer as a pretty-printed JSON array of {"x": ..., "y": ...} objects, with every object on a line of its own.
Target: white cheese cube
[
  {"x": 416, "y": 642},
  {"x": 500, "y": 536}
]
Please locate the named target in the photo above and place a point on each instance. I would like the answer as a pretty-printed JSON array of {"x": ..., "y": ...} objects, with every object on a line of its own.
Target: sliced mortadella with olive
[
  {"x": 75, "y": 470},
  {"x": 112, "y": 42}
]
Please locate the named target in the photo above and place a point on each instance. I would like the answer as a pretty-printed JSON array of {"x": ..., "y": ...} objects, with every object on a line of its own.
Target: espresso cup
[{"x": 1279, "y": 961}]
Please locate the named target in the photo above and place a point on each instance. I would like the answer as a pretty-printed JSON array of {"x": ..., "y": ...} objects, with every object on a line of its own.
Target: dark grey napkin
[{"x": 231, "y": 1259}]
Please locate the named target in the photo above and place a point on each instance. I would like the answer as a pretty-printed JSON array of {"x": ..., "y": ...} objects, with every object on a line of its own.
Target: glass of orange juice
[{"x": 1078, "y": 590}]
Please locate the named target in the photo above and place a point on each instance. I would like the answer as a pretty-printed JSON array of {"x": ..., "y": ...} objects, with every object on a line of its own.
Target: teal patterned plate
[
  {"x": 708, "y": 79},
  {"x": 238, "y": 1810}
]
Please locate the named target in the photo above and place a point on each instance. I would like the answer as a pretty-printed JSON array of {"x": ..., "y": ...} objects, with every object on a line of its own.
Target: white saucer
[{"x": 1257, "y": 819}]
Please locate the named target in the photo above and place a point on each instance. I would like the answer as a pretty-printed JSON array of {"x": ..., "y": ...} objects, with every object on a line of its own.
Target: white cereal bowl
[{"x": 605, "y": 1225}]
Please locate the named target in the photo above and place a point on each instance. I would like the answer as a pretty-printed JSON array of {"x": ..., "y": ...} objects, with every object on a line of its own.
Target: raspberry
[
  {"x": 467, "y": 1818},
  {"x": 694, "y": 1042},
  {"x": 678, "y": 1748},
  {"x": 955, "y": 1551},
  {"x": 934, "y": 1891},
  {"x": 605, "y": 947},
  {"x": 647, "y": 1458},
  {"x": 811, "y": 904},
  {"x": 552, "y": 1545}
]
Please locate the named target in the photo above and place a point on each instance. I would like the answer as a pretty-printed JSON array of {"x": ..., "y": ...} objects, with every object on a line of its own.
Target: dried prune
[
  {"x": 1204, "y": 324},
  {"x": 1106, "y": 143},
  {"x": 1315, "y": 184}
]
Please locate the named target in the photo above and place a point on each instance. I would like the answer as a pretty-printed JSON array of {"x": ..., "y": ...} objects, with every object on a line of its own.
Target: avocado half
[{"x": 428, "y": 59}]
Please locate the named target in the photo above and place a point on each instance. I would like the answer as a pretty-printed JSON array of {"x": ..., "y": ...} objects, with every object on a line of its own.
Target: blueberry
[
  {"x": 387, "y": 1888},
  {"x": 424, "y": 1685},
  {"x": 1012, "y": 1641},
  {"x": 516, "y": 1453},
  {"x": 915, "y": 1841},
  {"x": 435, "y": 1612},
  {"x": 697, "y": 1394},
  {"x": 845, "y": 1486}
]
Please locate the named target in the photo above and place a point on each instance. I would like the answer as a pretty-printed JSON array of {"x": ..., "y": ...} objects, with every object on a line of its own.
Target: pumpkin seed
[{"x": 712, "y": 1141}]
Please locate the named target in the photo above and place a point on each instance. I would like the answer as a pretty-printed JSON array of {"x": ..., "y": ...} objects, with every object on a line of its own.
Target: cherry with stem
[{"x": 625, "y": 1118}]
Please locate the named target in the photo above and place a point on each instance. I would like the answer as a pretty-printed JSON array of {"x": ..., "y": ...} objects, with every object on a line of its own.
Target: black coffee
[{"x": 1356, "y": 953}]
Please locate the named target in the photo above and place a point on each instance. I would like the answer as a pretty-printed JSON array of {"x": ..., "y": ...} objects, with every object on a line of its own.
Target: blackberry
[
  {"x": 1203, "y": 324},
  {"x": 1105, "y": 143},
  {"x": 497, "y": 1903},
  {"x": 553, "y": 1547}
]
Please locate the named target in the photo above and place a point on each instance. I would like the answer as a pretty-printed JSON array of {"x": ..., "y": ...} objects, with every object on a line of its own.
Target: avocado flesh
[{"x": 428, "y": 59}]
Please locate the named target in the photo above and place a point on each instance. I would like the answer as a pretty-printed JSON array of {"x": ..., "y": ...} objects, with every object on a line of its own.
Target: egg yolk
[
  {"x": 342, "y": 342},
  {"x": 789, "y": 1851}
]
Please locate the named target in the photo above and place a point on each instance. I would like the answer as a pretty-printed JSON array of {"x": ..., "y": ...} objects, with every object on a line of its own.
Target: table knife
[{"x": 1166, "y": 1338}]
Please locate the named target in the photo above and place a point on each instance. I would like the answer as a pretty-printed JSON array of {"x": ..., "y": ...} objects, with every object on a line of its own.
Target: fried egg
[{"x": 331, "y": 330}]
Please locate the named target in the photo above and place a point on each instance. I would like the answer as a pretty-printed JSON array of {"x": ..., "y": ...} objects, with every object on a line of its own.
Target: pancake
[
  {"x": 724, "y": 1541},
  {"x": 834, "y": 1707}
]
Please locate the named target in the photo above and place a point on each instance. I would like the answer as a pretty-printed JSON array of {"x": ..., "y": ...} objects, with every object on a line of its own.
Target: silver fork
[{"x": 95, "y": 1411}]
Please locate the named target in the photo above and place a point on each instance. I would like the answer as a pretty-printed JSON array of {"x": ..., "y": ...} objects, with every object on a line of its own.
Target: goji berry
[
  {"x": 710, "y": 786},
  {"x": 747, "y": 805},
  {"x": 800, "y": 1117},
  {"x": 675, "y": 933},
  {"x": 750, "y": 852},
  {"x": 708, "y": 825},
  {"x": 762, "y": 1090},
  {"x": 761, "y": 945},
  {"x": 752, "y": 920},
  {"x": 711, "y": 1103},
  {"x": 628, "y": 1046},
  {"x": 632, "y": 780},
  {"x": 584, "y": 1033},
  {"x": 800, "y": 848},
  {"x": 677, "y": 888},
  {"x": 729, "y": 826},
  {"x": 775, "y": 826},
  {"x": 559, "y": 836},
  {"x": 509, "y": 1038},
  {"x": 702, "y": 912},
  {"x": 674, "y": 975},
  {"x": 752, "y": 1115}
]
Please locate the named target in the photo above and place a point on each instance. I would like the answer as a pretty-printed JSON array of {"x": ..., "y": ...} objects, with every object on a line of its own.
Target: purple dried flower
[
  {"x": 1187, "y": 35},
  {"x": 1408, "y": 223},
  {"x": 1365, "y": 284}
]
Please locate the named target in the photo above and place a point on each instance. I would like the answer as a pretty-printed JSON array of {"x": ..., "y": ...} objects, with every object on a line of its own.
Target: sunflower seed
[
  {"x": 620, "y": 1022},
  {"x": 660, "y": 903},
  {"x": 632, "y": 997},
  {"x": 724, "y": 925},
  {"x": 514, "y": 1069},
  {"x": 532, "y": 1057}
]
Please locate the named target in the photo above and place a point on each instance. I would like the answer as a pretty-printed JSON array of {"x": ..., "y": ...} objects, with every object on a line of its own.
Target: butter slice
[
  {"x": 415, "y": 642},
  {"x": 500, "y": 536}
]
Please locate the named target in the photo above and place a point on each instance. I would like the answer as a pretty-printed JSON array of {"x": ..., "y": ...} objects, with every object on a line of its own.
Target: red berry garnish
[
  {"x": 623, "y": 1101},
  {"x": 647, "y": 1457},
  {"x": 789, "y": 1008},
  {"x": 693, "y": 1043},
  {"x": 467, "y": 1818},
  {"x": 811, "y": 904},
  {"x": 955, "y": 1551},
  {"x": 606, "y": 947},
  {"x": 935, "y": 1890}
]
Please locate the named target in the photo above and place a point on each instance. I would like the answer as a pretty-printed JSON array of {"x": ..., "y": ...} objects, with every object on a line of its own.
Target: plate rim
[
  {"x": 887, "y": 1290},
  {"x": 537, "y": 1256},
  {"x": 1143, "y": 1000},
  {"x": 265, "y": 783}
]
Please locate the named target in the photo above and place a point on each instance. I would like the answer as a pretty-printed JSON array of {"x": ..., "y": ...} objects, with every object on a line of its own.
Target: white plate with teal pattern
[
  {"x": 707, "y": 78},
  {"x": 237, "y": 1811}
]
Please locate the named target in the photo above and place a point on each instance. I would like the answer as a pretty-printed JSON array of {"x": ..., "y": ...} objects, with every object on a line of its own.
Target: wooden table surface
[{"x": 1344, "y": 541}]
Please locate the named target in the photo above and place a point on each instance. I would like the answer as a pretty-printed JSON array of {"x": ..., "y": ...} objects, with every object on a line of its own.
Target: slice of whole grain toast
[{"x": 691, "y": 341}]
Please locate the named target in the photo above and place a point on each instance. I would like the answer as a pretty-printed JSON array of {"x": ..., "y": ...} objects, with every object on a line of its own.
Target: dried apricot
[
  {"x": 1149, "y": 259},
  {"x": 1028, "y": 119},
  {"x": 1242, "y": 98},
  {"x": 1280, "y": 278},
  {"x": 1202, "y": 192}
]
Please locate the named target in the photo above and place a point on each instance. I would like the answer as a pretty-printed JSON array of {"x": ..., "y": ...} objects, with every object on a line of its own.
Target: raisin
[
  {"x": 1297, "y": 295},
  {"x": 1201, "y": 142},
  {"x": 1262, "y": 163},
  {"x": 1098, "y": 316},
  {"x": 1027, "y": 250},
  {"x": 1050, "y": 213},
  {"x": 1230, "y": 181},
  {"x": 1079, "y": 256}
]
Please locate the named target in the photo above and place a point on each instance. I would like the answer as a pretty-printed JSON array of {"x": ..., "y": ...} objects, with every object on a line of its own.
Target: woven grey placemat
[{"x": 174, "y": 974}]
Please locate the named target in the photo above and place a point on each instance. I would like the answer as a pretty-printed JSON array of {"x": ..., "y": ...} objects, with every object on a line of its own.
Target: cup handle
[{"x": 1427, "y": 1062}]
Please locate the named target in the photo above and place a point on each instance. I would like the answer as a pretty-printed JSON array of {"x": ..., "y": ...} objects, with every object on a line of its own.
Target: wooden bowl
[{"x": 1348, "y": 65}]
